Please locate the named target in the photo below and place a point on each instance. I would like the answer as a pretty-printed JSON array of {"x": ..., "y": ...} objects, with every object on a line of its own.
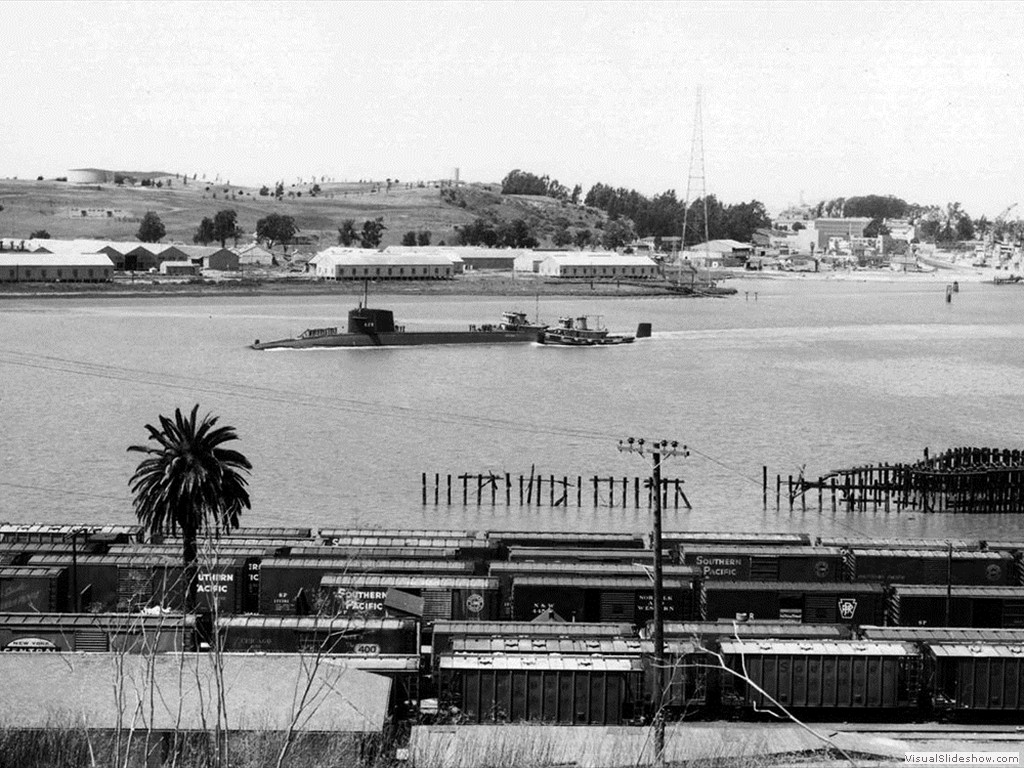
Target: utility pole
[{"x": 657, "y": 450}]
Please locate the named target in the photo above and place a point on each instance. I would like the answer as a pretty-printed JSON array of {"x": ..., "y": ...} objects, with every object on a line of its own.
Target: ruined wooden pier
[
  {"x": 535, "y": 490},
  {"x": 965, "y": 480}
]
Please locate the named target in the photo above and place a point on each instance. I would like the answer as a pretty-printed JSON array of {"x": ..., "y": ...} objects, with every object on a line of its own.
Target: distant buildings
[
  {"x": 27, "y": 267},
  {"x": 338, "y": 263}
]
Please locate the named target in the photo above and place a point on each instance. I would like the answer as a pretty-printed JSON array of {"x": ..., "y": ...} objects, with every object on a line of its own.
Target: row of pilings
[{"x": 967, "y": 480}]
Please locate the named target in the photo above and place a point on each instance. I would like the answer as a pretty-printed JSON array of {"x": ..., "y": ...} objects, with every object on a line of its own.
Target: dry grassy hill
[{"x": 56, "y": 207}]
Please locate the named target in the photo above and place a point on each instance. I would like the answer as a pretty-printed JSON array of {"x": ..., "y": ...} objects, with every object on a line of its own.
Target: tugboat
[{"x": 578, "y": 332}]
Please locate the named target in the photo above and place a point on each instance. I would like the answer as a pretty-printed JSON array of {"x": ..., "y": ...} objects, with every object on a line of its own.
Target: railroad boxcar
[
  {"x": 33, "y": 588},
  {"x": 569, "y": 539},
  {"x": 683, "y": 539},
  {"x": 297, "y": 535},
  {"x": 596, "y": 598},
  {"x": 542, "y": 688},
  {"x": 328, "y": 535},
  {"x": 956, "y": 606},
  {"x": 679, "y": 687},
  {"x": 445, "y": 631},
  {"x": 506, "y": 572},
  {"x": 977, "y": 679},
  {"x": 737, "y": 562},
  {"x": 810, "y": 602},
  {"x": 602, "y": 646},
  {"x": 923, "y": 566},
  {"x": 290, "y": 586},
  {"x": 101, "y": 632},
  {"x": 427, "y": 597},
  {"x": 319, "y": 634},
  {"x": 822, "y": 678}
]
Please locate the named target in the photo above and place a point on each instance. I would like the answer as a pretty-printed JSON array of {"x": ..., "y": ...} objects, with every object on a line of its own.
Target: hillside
[{"x": 57, "y": 208}]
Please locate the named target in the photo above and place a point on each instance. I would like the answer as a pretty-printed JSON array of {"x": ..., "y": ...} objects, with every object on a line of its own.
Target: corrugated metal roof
[
  {"x": 976, "y": 651},
  {"x": 27, "y": 571},
  {"x": 399, "y": 533},
  {"x": 407, "y": 581},
  {"x": 359, "y": 257},
  {"x": 733, "y": 537},
  {"x": 818, "y": 648},
  {"x": 599, "y": 260},
  {"x": 412, "y": 541},
  {"x": 353, "y": 565},
  {"x": 567, "y": 536},
  {"x": 54, "y": 260},
  {"x": 551, "y": 662},
  {"x": 897, "y": 543},
  {"x": 527, "y": 567}
]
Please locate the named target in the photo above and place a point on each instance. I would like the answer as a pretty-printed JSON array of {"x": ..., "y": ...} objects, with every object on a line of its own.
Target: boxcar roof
[
  {"x": 310, "y": 623},
  {"x": 606, "y": 582},
  {"x": 819, "y": 647},
  {"x": 735, "y": 537},
  {"x": 943, "y": 544},
  {"x": 517, "y": 552},
  {"x": 944, "y": 634},
  {"x": 567, "y": 536},
  {"x": 399, "y": 533},
  {"x": 552, "y": 662},
  {"x": 599, "y": 645},
  {"x": 839, "y": 587},
  {"x": 408, "y": 581},
  {"x": 977, "y": 650},
  {"x": 366, "y": 565},
  {"x": 533, "y": 628},
  {"x": 958, "y": 590},
  {"x": 779, "y": 629},
  {"x": 411, "y": 541},
  {"x": 28, "y": 571},
  {"x": 125, "y": 621},
  {"x": 796, "y": 550},
  {"x": 328, "y": 551},
  {"x": 588, "y": 569}
]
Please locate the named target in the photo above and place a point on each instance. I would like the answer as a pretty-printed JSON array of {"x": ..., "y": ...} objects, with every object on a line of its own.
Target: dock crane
[{"x": 991, "y": 248}]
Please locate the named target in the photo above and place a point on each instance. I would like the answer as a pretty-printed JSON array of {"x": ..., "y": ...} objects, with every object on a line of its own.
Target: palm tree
[{"x": 189, "y": 483}]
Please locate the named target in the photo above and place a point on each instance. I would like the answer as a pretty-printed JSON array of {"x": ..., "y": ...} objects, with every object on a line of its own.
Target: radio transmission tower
[{"x": 695, "y": 180}]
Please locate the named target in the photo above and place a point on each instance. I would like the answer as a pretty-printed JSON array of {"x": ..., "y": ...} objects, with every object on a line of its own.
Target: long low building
[
  {"x": 25, "y": 267},
  {"x": 603, "y": 265},
  {"x": 360, "y": 264}
]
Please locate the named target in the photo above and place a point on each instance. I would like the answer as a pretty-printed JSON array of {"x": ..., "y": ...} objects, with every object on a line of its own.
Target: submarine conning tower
[{"x": 371, "y": 321}]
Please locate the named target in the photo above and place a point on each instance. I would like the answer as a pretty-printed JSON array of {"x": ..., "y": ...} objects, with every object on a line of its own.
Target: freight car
[
  {"x": 584, "y": 555},
  {"x": 427, "y": 597},
  {"x": 956, "y": 606},
  {"x": 847, "y": 677},
  {"x": 33, "y": 588},
  {"x": 61, "y": 533},
  {"x": 762, "y": 563},
  {"x": 811, "y": 602},
  {"x": 681, "y": 539},
  {"x": 974, "y": 680},
  {"x": 319, "y": 635},
  {"x": 545, "y": 688},
  {"x": 569, "y": 539},
  {"x": 923, "y": 566},
  {"x": 741, "y": 630},
  {"x": 595, "y": 598},
  {"x": 99, "y": 632},
  {"x": 290, "y": 586},
  {"x": 445, "y": 632}
]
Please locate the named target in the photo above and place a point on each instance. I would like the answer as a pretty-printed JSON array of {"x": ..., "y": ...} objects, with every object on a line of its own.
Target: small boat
[
  {"x": 376, "y": 328},
  {"x": 580, "y": 332}
]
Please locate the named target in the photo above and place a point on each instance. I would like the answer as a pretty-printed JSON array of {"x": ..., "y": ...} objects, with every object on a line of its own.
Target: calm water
[{"x": 819, "y": 375}]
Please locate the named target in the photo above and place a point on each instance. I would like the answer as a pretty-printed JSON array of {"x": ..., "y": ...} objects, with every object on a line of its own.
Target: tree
[
  {"x": 151, "y": 229},
  {"x": 423, "y": 237},
  {"x": 205, "y": 234},
  {"x": 279, "y": 190},
  {"x": 561, "y": 237},
  {"x": 347, "y": 233},
  {"x": 372, "y": 232},
  {"x": 617, "y": 234},
  {"x": 516, "y": 234},
  {"x": 583, "y": 238},
  {"x": 225, "y": 225},
  {"x": 276, "y": 228},
  {"x": 189, "y": 483},
  {"x": 409, "y": 238},
  {"x": 264, "y": 191},
  {"x": 742, "y": 220},
  {"x": 40, "y": 234}
]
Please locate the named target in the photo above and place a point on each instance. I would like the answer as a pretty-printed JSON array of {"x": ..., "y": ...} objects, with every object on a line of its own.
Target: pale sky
[{"x": 919, "y": 100}]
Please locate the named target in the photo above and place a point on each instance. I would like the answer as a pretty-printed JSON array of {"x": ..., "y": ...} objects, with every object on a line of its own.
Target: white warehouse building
[
  {"x": 25, "y": 267},
  {"x": 598, "y": 265},
  {"x": 360, "y": 264}
]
